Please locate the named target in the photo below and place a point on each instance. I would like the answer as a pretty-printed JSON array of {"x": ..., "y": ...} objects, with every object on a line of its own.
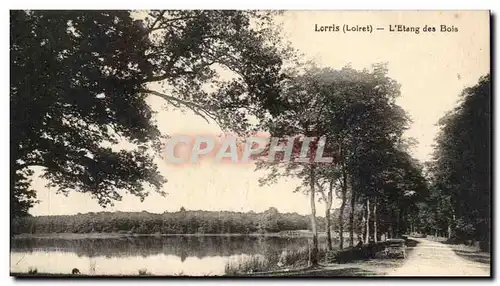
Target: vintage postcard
[{"x": 250, "y": 143}]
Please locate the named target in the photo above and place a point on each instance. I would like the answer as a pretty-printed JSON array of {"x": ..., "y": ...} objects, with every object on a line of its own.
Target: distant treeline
[{"x": 181, "y": 222}]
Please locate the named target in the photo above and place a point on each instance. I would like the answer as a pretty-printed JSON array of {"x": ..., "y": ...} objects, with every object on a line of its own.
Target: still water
[{"x": 173, "y": 255}]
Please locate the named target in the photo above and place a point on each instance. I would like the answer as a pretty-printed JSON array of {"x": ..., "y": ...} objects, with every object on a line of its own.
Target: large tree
[
  {"x": 304, "y": 98},
  {"x": 461, "y": 165},
  {"x": 361, "y": 116},
  {"x": 356, "y": 112},
  {"x": 80, "y": 79}
]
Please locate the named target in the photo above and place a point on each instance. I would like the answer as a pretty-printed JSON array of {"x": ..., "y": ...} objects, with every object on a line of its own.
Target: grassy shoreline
[{"x": 375, "y": 267}]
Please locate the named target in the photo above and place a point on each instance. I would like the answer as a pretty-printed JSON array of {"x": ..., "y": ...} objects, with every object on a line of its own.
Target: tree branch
[
  {"x": 197, "y": 109},
  {"x": 19, "y": 167},
  {"x": 156, "y": 21},
  {"x": 165, "y": 21},
  {"x": 321, "y": 191}
]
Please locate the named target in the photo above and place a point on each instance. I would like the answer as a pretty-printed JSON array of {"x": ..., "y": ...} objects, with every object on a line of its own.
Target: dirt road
[
  {"x": 430, "y": 258},
  {"x": 425, "y": 258}
]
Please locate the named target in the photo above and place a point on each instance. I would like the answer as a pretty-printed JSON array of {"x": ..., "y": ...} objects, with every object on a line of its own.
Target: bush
[
  {"x": 353, "y": 253},
  {"x": 32, "y": 270},
  {"x": 247, "y": 264},
  {"x": 350, "y": 254},
  {"x": 272, "y": 260}
]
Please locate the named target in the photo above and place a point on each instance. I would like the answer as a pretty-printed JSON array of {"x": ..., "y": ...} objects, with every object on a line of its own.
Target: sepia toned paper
[{"x": 230, "y": 218}]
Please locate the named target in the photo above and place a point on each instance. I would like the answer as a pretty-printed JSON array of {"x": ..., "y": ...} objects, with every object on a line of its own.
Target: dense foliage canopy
[
  {"x": 460, "y": 203},
  {"x": 80, "y": 79}
]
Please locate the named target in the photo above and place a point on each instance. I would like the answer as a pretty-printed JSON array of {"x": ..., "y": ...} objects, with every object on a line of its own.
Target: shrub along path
[
  {"x": 353, "y": 265},
  {"x": 424, "y": 258}
]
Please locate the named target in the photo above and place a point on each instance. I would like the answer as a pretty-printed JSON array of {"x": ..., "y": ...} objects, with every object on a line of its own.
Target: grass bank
[
  {"x": 272, "y": 261},
  {"x": 347, "y": 262}
]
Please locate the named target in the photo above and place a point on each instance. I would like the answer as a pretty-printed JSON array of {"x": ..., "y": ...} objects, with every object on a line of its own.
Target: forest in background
[{"x": 181, "y": 222}]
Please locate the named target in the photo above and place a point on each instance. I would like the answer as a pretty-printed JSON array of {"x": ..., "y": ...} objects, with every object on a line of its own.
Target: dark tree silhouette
[
  {"x": 182, "y": 222},
  {"x": 460, "y": 171},
  {"x": 80, "y": 79}
]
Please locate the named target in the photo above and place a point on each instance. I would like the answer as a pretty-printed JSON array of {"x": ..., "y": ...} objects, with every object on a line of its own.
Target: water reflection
[{"x": 187, "y": 255}]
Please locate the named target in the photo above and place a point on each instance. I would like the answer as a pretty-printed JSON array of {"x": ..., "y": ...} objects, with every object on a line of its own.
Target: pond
[{"x": 162, "y": 255}]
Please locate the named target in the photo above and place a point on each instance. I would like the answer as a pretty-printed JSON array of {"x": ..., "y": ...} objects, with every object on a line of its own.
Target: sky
[{"x": 432, "y": 68}]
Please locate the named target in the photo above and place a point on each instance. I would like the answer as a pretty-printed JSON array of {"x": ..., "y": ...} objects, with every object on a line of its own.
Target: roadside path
[{"x": 430, "y": 258}]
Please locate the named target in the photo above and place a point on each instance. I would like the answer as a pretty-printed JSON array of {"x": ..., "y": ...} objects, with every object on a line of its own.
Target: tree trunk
[
  {"x": 341, "y": 227},
  {"x": 363, "y": 224},
  {"x": 375, "y": 235},
  {"x": 367, "y": 236},
  {"x": 327, "y": 229},
  {"x": 329, "y": 202},
  {"x": 342, "y": 208},
  {"x": 314, "y": 250},
  {"x": 449, "y": 226},
  {"x": 397, "y": 223},
  {"x": 351, "y": 217}
]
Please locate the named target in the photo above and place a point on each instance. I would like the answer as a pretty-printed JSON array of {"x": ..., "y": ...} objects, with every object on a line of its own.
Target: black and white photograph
[{"x": 250, "y": 143}]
